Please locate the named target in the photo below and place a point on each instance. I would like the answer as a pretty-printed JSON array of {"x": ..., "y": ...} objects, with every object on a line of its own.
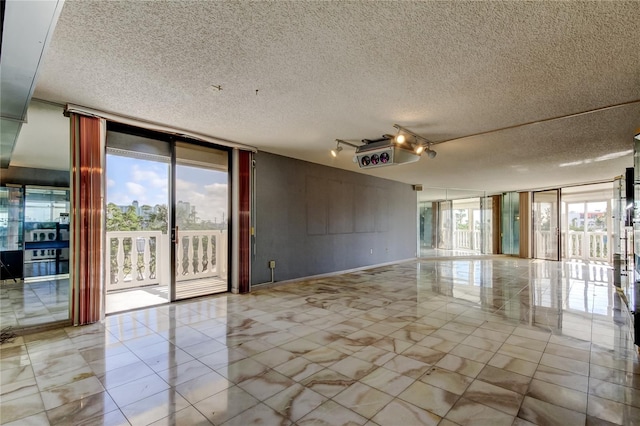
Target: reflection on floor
[
  {"x": 24, "y": 304},
  {"x": 468, "y": 341},
  {"x": 124, "y": 300},
  {"x": 200, "y": 287},
  {"x": 45, "y": 268},
  {"x": 436, "y": 252}
]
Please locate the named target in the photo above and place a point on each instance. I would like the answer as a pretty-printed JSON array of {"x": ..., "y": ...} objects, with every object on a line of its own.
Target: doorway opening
[
  {"x": 546, "y": 224},
  {"x": 166, "y": 227},
  {"x": 458, "y": 225},
  {"x": 587, "y": 223}
]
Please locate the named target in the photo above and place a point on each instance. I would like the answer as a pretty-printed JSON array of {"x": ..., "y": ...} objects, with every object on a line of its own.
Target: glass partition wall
[
  {"x": 510, "y": 229},
  {"x": 454, "y": 222},
  {"x": 46, "y": 232},
  {"x": 34, "y": 222}
]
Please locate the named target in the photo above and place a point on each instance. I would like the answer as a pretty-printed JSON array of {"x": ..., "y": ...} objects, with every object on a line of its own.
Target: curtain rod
[{"x": 148, "y": 125}]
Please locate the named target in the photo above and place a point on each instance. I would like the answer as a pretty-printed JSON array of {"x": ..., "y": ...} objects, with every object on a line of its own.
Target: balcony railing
[
  {"x": 142, "y": 258},
  {"x": 467, "y": 239},
  {"x": 590, "y": 245}
]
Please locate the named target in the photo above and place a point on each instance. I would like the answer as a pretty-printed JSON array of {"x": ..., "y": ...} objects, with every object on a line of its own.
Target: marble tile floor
[
  {"x": 25, "y": 304},
  {"x": 469, "y": 341},
  {"x": 428, "y": 252}
]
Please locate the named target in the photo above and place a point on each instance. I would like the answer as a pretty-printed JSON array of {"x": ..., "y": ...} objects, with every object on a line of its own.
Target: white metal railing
[
  {"x": 133, "y": 258},
  {"x": 590, "y": 245},
  {"x": 201, "y": 254},
  {"x": 467, "y": 239},
  {"x": 142, "y": 258}
]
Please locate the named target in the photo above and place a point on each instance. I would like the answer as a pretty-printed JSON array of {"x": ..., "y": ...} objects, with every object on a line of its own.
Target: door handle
[{"x": 175, "y": 234}]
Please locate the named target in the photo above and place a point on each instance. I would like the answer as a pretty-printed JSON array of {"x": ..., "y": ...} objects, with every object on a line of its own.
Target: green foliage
[
  {"x": 156, "y": 218},
  {"x": 462, "y": 222},
  {"x": 117, "y": 220},
  {"x": 573, "y": 226},
  {"x": 151, "y": 220}
]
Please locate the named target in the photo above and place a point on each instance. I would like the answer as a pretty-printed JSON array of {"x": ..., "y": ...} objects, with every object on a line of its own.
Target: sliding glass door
[
  {"x": 137, "y": 243},
  {"x": 546, "y": 224},
  {"x": 166, "y": 226},
  {"x": 201, "y": 214}
]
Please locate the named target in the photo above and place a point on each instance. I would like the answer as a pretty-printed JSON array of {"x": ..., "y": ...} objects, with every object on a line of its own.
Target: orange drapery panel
[
  {"x": 87, "y": 141},
  {"x": 244, "y": 216}
]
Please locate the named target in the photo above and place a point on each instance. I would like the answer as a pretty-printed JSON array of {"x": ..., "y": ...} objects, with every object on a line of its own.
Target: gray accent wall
[{"x": 313, "y": 219}]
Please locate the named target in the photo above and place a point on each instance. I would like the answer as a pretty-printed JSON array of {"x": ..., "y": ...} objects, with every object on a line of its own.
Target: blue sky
[{"x": 130, "y": 179}]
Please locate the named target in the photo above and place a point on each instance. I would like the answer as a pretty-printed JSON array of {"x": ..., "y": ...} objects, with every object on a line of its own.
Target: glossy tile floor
[
  {"x": 466, "y": 341},
  {"x": 24, "y": 304},
  {"x": 141, "y": 297}
]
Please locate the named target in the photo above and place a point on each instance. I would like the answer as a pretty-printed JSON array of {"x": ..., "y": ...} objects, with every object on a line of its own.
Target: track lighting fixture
[
  {"x": 405, "y": 147},
  {"x": 419, "y": 143},
  {"x": 339, "y": 143}
]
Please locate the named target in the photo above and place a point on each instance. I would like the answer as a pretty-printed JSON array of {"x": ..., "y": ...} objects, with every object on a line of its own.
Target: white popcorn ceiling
[{"x": 350, "y": 70}]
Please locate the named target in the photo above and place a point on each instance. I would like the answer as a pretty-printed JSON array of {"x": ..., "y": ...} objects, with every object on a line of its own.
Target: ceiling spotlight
[
  {"x": 420, "y": 144},
  {"x": 339, "y": 143}
]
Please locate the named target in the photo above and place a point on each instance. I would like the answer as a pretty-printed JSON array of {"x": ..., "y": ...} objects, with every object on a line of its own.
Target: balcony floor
[{"x": 134, "y": 298}]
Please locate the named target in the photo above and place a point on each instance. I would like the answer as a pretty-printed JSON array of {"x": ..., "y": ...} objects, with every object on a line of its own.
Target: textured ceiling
[{"x": 350, "y": 70}]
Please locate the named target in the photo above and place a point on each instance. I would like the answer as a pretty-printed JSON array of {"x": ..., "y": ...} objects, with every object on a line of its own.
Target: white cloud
[
  {"x": 119, "y": 198},
  {"x": 135, "y": 189},
  {"x": 149, "y": 178},
  {"x": 210, "y": 200},
  {"x": 149, "y": 184},
  {"x": 183, "y": 185}
]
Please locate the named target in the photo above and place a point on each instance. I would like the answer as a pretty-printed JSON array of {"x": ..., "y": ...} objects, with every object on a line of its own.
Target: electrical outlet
[{"x": 272, "y": 264}]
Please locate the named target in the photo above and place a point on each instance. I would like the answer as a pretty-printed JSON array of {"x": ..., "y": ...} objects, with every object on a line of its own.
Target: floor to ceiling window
[
  {"x": 137, "y": 229},
  {"x": 166, "y": 226},
  {"x": 510, "y": 226},
  {"x": 587, "y": 223},
  {"x": 454, "y": 222},
  {"x": 546, "y": 224}
]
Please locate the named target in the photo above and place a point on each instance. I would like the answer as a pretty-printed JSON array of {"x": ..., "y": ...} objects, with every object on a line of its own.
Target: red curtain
[{"x": 87, "y": 140}]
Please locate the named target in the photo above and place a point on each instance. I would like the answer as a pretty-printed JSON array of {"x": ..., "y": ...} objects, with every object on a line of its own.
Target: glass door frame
[
  {"x": 173, "y": 230},
  {"x": 173, "y": 219},
  {"x": 552, "y": 229},
  {"x": 172, "y": 200}
]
